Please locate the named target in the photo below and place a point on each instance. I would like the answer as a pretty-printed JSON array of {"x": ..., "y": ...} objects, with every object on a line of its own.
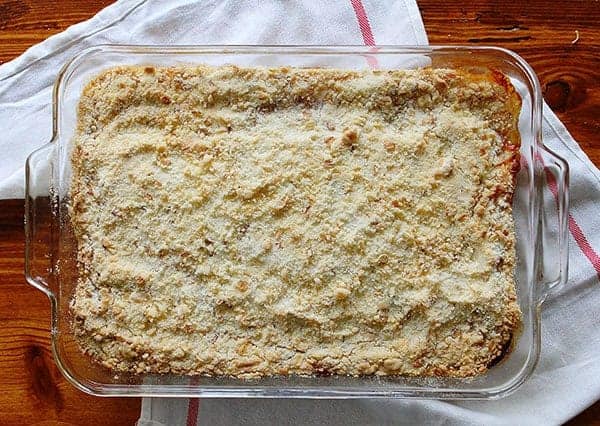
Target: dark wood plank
[{"x": 27, "y": 22}]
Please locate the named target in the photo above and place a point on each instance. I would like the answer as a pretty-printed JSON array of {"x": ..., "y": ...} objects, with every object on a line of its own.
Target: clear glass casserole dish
[{"x": 50, "y": 263}]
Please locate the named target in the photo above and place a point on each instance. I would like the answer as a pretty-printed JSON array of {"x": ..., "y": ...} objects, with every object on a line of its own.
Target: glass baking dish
[{"x": 50, "y": 263}]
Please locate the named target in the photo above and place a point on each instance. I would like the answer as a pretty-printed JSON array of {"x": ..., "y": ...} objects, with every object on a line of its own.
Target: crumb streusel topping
[{"x": 252, "y": 221}]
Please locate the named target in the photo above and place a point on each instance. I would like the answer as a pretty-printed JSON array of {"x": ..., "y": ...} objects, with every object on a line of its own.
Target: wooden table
[{"x": 542, "y": 31}]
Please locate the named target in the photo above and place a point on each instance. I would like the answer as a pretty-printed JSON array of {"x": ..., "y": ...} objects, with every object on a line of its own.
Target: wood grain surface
[{"x": 543, "y": 32}]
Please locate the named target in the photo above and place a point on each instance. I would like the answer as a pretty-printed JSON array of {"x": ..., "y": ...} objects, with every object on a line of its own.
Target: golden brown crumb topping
[{"x": 253, "y": 221}]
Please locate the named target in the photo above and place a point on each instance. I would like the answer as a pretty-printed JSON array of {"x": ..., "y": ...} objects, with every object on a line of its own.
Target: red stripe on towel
[
  {"x": 193, "y": 406},
  {"x": 363, "y": 22},
  {"x": 192, "y": 415},
  {"x": 576, "y": 231}
]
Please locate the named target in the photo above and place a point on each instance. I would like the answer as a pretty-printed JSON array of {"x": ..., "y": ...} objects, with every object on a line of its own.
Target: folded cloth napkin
[{"x": 567, "y": 379}]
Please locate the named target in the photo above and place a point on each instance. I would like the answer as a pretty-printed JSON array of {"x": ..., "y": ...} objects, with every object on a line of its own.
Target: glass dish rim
[{"x": 305, "y": 392}]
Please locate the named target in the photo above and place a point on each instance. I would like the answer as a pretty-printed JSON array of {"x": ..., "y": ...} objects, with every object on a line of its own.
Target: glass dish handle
[
  {"x": 555, "y": 226},
  {"x": 38, "y": 219}
]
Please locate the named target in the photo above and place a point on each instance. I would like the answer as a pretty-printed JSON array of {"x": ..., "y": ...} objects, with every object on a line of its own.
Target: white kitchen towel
[{"x": 567, "y": 379}]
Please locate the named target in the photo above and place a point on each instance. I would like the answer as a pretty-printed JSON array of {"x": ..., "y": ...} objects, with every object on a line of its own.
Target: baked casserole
[{"x": 274, "y": 221}]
